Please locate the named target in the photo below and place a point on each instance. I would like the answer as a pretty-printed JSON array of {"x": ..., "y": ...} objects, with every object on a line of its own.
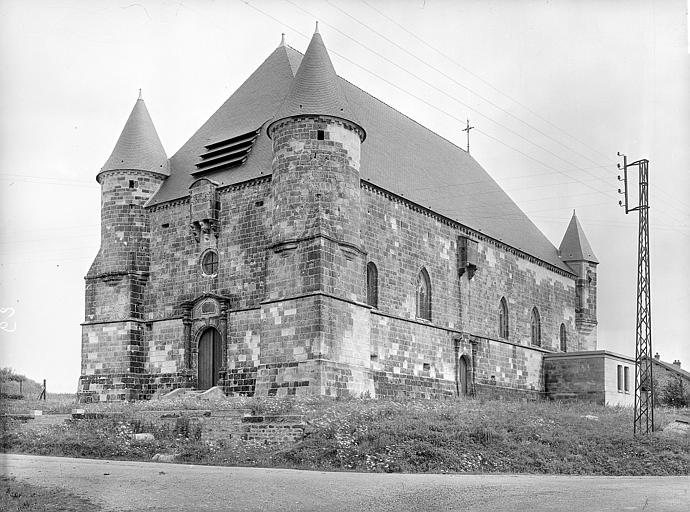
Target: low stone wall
[
  {"x": 213, "y": 425},
  {"x": 273, "y": 429},
  {"x": 493, "y": 392}
]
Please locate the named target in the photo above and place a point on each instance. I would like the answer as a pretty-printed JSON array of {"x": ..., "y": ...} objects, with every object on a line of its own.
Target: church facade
[{"x": 309, "y": 238}]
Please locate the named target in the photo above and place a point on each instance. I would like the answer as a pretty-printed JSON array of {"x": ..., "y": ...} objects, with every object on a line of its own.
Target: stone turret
[
  {"x": 315, "y": 280},
  {"x": 132, "y": 174},
  {"x": 112, "y": 331},
  {"x": 316, "y": 147},
  {"x": 316, "y": 154},
  {"x": 577, "y": 253}
]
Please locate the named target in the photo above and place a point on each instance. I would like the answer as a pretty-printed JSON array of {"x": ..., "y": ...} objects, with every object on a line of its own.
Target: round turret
[{"x": 316, "y": 155}]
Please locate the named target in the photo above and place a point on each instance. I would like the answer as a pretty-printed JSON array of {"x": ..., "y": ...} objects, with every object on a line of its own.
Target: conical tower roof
[
  {"x": 575, "y": 246},
  {"x": 316, "y": 88},
  {"x": 138, "y": 147}
]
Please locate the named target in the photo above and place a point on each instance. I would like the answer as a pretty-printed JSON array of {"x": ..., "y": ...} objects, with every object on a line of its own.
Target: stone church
[{"x": 310, "y": 239}]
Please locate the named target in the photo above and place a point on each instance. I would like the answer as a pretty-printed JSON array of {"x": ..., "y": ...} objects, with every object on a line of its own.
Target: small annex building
[
  {"x": 306, "y": 240},
  {"x": 597, "y": 376}
]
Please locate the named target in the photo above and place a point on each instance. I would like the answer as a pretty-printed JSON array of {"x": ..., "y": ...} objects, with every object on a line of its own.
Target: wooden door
[{"x": 209, "y": 358}]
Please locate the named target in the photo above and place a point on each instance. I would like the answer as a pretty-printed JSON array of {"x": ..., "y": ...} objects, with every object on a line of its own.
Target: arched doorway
[
  {"x": 463, "y": 377},
  {"x": 210, "y": 355}
]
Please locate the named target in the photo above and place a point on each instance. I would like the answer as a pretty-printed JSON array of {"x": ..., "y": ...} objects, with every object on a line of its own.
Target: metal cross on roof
[{"x": 467, "y": 129}]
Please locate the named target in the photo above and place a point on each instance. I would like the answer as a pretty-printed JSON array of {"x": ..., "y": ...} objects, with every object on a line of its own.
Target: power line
[
  {"x": 433, "y": 86},
  {"x": 535, "y": 114},
  {"x": 465, "y": 87},
  {"x": 429, "y": 104},
  {"x": 457, "y": 82}
]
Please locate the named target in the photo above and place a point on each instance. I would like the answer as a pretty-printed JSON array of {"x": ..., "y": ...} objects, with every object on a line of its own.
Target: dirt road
[{"x": 153, "y": 487}]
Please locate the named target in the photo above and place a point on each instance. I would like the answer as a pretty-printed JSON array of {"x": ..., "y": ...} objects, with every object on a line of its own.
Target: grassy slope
[{"x": 412, "y": 436}]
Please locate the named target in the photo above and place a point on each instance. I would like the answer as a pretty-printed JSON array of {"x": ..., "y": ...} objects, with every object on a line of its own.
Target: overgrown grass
[
  {"x": 57, "y": 403},
  {"x": 385, "y": 436},
  {"x": 16, "y": 496}
]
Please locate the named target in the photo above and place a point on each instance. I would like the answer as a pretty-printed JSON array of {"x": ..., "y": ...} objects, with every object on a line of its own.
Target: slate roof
[
  {"x": 398, "y": 155},
  {"x": 316, "y": 88},
  {"x": 575, "y": 246},
  {"x": 138, "y": 147}
]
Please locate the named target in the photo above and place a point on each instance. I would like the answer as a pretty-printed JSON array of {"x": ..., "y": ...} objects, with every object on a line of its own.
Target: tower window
[
  {"x": 372, "y": 285},
  {"x": 423, "y": 295},
  {"x": 320, "y": 135},
  {"x": 536, "y": 328},
  {"x": 209, "y": 263},
  {"x": 503, "y": 319},
  {"x": 563, "y": 339},
  {"x": 132, "y": 183}
]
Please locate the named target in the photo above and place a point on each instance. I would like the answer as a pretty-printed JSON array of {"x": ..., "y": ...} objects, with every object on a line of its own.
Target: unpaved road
[{"x": 158, "y": 487}]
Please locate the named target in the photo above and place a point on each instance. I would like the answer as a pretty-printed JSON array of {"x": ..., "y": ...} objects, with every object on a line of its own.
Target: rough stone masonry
[{"x": 306, "y": 240}]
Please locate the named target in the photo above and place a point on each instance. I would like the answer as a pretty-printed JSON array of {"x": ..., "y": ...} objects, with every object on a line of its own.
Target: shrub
[{"x": 675, "y": 393}]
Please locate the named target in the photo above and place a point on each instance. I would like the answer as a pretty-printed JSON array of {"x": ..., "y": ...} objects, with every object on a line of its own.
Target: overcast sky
[{"x": 554, "y": 89}]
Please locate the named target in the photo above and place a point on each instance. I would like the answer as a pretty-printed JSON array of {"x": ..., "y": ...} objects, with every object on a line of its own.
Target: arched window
[
  {"x": 564, "y": 342},
  {"x": 372, "y": 285},
  {"x": 503, "y": 319},
  {"x": 423, "y": 295},
  {"x": 536, "y": 328}
]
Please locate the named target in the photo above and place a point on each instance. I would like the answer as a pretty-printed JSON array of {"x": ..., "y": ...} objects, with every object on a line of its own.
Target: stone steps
[{"x": 213, "y": 393}]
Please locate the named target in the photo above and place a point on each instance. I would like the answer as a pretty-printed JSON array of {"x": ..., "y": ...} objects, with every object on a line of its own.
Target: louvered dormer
[{"x": 227, "y": 153}]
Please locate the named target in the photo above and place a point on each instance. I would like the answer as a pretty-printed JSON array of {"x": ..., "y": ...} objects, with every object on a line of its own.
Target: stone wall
[
  {"x": 242, "y": 242},
  {"x": 124, "y": 226},
  {"x": 224, "y": 425},
  {"x": 421, "y": 356},
  {"x": 291, "y": 302}
]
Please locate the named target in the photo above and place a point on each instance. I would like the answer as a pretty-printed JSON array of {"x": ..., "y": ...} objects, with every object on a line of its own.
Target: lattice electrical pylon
[{"x": 643, "y": 422}]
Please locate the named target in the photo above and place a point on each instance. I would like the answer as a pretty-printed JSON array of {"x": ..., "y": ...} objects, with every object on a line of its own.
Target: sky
[{"x": 554, "y": 90}]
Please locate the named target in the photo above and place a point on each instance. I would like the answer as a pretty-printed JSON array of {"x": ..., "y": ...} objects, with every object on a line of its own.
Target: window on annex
[
  {"x": 372, "y": 285},
  {"x": 503, "y": 319},
  {"x": 423, "y": 295},
  {"x": 209, "y": 263},
  {"x": 619, "y": 378},
  {"x": 626, "y": 378},
  {"x": 536, "y": 328},
  {"x": 563, "y": 337}
]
